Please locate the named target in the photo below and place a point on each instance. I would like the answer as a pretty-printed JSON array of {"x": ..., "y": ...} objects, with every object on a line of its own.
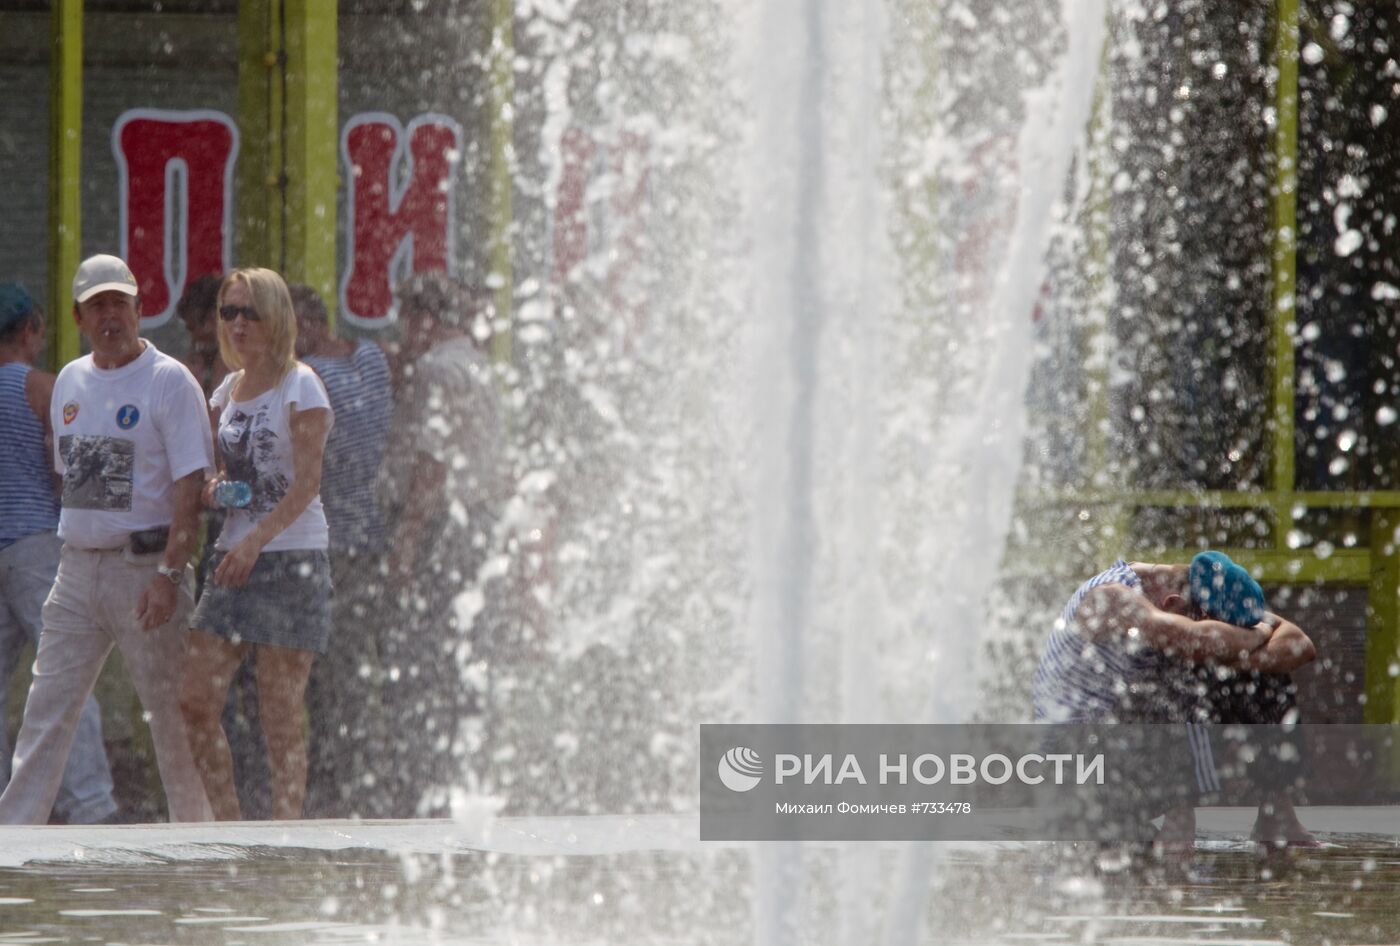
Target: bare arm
[
  {"x": 1287, "y": 650},
  {"x": 38, "y": 390},
  {"x": 184, "y": 528},
  {"x": 158, "y": 601},
  {"x": 1118, "y": 612},
  {"x": 207, "y": 496}
]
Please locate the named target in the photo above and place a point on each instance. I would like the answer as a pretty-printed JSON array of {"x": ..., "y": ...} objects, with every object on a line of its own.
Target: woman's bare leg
[
  {"x": 282, "y": 675},
  {"x": 210, "y": 662}
]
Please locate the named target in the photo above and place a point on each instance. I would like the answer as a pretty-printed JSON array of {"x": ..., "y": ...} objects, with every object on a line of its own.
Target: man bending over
[{"x": 1145, "y": 643}]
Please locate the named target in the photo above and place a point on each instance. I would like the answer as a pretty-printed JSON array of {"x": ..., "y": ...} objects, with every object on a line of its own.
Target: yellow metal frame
[
  {"x": 1285, "y": 247},
  {"x": 1098, "y": 254},
  {"x": 1377, "y": 567},
  {"x": 65, "y": 176},
  {"x": 1383, "y": 619}
]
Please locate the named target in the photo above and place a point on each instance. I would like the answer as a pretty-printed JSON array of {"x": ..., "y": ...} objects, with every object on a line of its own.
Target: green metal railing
[{"x": 1375, "y": 566}]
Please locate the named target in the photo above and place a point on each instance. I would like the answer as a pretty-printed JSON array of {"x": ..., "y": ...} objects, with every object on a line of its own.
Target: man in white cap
[
  {"x": 132, "y": 443},
  {"x": 29, "y": 546}
]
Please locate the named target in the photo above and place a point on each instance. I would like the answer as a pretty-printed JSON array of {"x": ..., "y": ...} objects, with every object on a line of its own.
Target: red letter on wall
[
  {"x": 176, "y": 194},
  {"x": 399, "y": 223},
  {"x": 577, "y": 151},
  {"x": 599, "y": 215}
]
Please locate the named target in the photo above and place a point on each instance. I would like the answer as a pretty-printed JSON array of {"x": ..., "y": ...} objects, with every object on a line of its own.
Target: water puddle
[{"x": 1227, "y": 895}]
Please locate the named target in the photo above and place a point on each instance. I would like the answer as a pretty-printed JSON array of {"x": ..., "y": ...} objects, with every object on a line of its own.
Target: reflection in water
[
  {"x": 990, "y": 894},
  {"x": 1222, "y": 897}
]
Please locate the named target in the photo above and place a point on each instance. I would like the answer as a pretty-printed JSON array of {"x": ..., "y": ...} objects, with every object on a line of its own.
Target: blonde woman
[{"x": 268, "y": 588}]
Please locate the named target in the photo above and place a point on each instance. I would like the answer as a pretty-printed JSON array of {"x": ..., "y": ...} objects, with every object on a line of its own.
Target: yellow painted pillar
[
  {"x": 1112, "y": 520},
  {"x": 1285, "y": 260},
  {"x": 65, "y": 176},
  {"x": 258, "y": 201},
  {"x": 289, "y": 123},
  {"x": 501, "y": 119},
  {"x": 1383, "y": 620},
  {"x": 309, "y": 139}
]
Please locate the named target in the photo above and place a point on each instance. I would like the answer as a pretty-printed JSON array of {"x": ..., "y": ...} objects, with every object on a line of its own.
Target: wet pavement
[{"x": 645, "y": 880}]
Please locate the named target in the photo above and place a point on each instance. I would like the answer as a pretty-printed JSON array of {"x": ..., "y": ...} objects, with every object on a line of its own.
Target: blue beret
[
  {"x": 1225, "y": 591},
  {"x": 15, "y": 304}
]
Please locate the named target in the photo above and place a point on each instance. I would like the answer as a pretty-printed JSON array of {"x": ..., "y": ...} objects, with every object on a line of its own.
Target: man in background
[
  {"x": 443, "y": 485},
  {"x": 197, "y": 309},
  {"x": 342, "y": 696}
]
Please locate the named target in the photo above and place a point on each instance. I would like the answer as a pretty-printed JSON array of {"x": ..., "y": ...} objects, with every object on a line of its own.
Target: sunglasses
[{"x": 230, "y": 312}]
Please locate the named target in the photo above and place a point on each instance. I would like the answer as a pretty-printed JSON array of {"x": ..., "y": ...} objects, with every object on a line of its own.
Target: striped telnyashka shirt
[
  {"x": 1080, "y": 681},
  {"x": 28, "y": 504},
  {"x": 358, "y": 387}
]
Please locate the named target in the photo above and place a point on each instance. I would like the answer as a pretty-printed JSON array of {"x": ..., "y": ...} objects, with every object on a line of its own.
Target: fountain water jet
[
  {"x": 821, "y": 237},
  {"x": 1057, "y": 118}
]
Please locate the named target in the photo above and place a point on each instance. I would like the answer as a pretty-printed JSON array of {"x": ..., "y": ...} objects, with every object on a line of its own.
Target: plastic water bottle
[{"x": 233, "y": 494}]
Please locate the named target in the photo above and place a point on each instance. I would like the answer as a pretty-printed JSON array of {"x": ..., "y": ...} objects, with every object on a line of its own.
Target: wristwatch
[{"x": 176, "y": 575}]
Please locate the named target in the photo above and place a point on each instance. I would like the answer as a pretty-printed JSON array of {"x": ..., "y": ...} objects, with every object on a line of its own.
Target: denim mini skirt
[{"x": 286, "y": 601}]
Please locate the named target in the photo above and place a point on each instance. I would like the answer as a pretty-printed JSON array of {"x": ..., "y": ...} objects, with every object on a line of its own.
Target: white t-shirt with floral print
[{"x": 254, "y": 441}]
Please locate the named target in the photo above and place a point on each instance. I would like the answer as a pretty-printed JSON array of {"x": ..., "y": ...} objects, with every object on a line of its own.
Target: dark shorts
[
  {"x": 286, "y": 602},
  {"x": 1232, "y": 729}
]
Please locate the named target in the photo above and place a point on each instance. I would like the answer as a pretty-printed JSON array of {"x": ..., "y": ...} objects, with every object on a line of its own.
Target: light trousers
[
  {"x": 91, "y": 609},
  {"x": 27, "y": 570}
]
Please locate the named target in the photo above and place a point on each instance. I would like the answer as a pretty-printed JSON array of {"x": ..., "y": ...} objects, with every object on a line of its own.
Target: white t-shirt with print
[
  {"x": 255, "y": 446},
  {"x": 122, "y": 437}
]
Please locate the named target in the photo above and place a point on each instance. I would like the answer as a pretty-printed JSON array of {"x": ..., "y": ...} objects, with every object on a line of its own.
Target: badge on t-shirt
[
  {"x": 128, "y": 416},
  {"x": 70, "y": 411}
]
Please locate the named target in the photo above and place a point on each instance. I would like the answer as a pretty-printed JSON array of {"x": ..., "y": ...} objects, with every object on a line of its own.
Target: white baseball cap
[{"x": 101, "y": 273}]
